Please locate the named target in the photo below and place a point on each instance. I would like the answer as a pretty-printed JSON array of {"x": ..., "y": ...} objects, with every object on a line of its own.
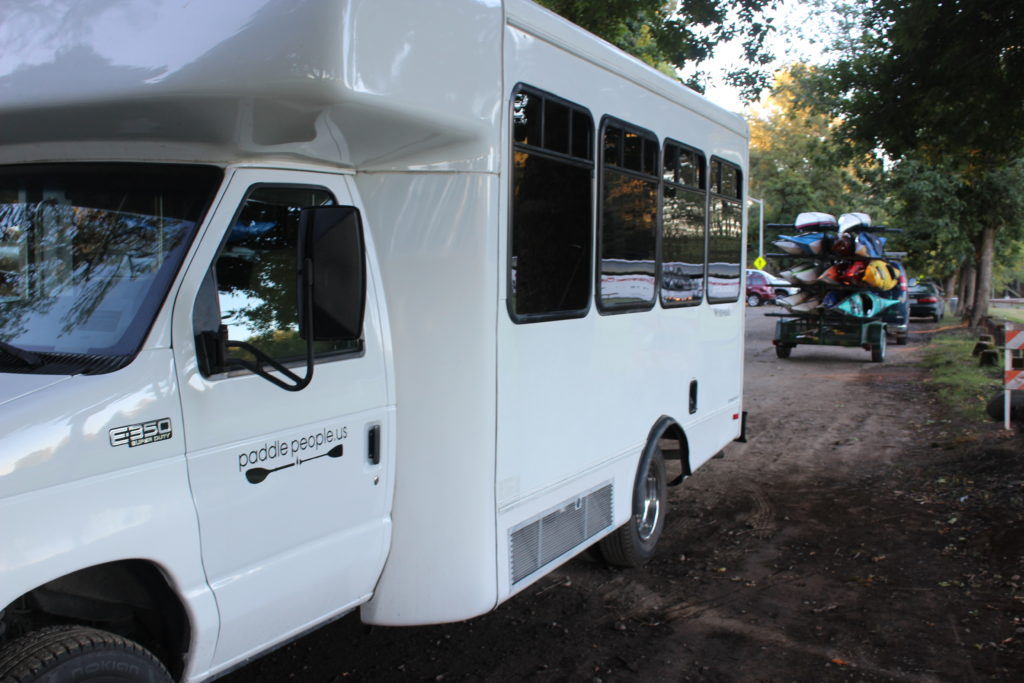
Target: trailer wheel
[
  {"x": 62, "y": 654},
  {"x": 632, "y": 544},
  {"x": 878, "y": 350},
  {"x": 783, "y": 350}
]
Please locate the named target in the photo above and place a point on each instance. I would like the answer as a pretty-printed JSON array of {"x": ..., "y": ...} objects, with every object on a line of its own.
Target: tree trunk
[
  {"x": 949, "y": 287},
  {"x": 986, "y": 255},
  {"x": 967, "y": 281}
]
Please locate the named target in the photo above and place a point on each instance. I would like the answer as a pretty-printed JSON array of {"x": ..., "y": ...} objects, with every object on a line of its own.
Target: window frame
[
  {"x": 562, "y": 157},
  {"x": 318, "y": 357},
  {"x": 607, "y": 120},
  {"x": 704, "y": 172}
]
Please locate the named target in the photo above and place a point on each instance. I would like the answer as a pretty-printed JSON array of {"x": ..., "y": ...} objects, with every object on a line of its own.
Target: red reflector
[{"x": 735, "y": 416}]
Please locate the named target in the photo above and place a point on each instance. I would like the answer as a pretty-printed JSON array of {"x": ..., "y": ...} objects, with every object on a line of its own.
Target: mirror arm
[{"x": 262, "y": 358}]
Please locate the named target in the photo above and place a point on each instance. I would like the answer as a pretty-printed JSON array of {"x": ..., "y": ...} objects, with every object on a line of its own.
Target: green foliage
[
  {"x": 922, "y": 75},
  {"x": 936, "y": 86},
  {"x": 964, "y": 385},
  {"x": 943, "y": 205},
  {"x": 797, "y": 164},
  {"x": 670, "y": 35}
]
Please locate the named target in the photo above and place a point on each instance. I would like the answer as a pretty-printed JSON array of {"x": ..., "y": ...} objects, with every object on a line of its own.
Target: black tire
[
  {"x": 901, "y": 338},
  {"x": 633, "y": 543},
  {"x": 935, "y": 318},
  {"x": 878, "y": 350},
  {"x": 783, "y": 350},
  {"x": 753, "y": 300},
  {"x": 66, "y": 654}
]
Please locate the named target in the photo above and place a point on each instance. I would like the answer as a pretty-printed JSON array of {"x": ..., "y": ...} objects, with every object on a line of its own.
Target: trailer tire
[
  {"x": 633, "y": 543},
  {"x": 783, "y": 350},
  {"x": 878, "y": 350},
  {"x": 62, "y": 654}
]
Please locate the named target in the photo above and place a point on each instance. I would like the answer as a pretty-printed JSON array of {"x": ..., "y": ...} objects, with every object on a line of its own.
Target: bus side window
[
  {"x": 684, "y": 229},
  {"x": 725, "y": 248},
  {"x": 552, "y": 197},
  {"x": 629, "y": 218}
]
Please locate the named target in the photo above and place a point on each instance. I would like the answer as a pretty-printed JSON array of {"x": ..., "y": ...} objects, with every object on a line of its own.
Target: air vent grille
[{"x": 554, "y": 533}]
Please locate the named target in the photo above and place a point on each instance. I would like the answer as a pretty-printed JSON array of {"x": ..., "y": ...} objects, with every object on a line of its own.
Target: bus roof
[{"x": 417, "y": 86}]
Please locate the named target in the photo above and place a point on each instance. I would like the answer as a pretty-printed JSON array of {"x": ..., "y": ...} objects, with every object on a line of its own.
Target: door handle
[{"x": 373, "y": 445}]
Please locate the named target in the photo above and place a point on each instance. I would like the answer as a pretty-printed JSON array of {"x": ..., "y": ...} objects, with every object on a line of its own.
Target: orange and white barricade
[{"x": 1012, "y": 379}]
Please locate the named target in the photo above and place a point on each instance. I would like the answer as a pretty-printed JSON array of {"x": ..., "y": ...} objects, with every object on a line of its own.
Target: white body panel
[
  {"x": 403, "y": 112},
  {"x": 69, "y": 501}
]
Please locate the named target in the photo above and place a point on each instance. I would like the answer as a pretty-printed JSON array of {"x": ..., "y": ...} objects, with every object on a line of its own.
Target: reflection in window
[
  {"x": 88, "y": 251},
  {"x": 552, "y": 192},
  {"x": 683, "y": 238},
  {"x": 629, "y": 218},
  {"x": 256, "y": 275},
  {"x": 725, "y": 246}
]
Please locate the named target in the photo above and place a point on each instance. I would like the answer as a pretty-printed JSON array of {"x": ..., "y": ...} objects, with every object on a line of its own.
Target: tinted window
[
  {"x": 552, "y": 199},
  {"x": 629, "y": 218},
  {"x": 725, "y": 244},
  {"x": 684, "y": 199}
]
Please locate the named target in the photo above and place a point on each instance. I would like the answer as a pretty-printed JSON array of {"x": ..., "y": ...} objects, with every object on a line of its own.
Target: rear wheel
[
  {"x": 782, "y": 350},
  {"x": 901, "y": 338},
  {"x": 66, "y": 654},
  {"x": 753, "y": 300},
  {"x": 632, "y": 544}
]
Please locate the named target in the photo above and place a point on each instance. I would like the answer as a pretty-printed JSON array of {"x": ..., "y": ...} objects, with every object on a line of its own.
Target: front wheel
[
  {"x": 632, "y": 544},
  {"x": 753, "y": 300},
  {"x": 783, "y": 350},
  {"x": 66, "y": 654}
]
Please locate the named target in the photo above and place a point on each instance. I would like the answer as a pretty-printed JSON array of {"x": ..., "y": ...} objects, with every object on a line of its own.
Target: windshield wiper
[{"x": 28, "y": 358}]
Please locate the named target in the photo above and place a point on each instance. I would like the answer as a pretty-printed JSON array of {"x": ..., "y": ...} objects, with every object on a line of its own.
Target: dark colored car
[
  {"x": 763, "y": 286},
  {"x": 926, "y": 301},
  {"x": 897, "y": 317}
]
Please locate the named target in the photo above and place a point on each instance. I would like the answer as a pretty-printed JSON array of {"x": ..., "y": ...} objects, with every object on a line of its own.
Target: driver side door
[{"x": 292, "y": 488}]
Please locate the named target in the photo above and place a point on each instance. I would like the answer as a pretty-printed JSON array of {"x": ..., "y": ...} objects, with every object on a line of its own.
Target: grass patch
[
  {"x": 1015, "y": 315},
  {"x": 962, "y": 384}
]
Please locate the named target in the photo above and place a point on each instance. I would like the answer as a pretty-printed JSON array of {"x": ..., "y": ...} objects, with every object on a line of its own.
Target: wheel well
[
  {"x": 671, "y": 438},
  {"x": 131, "y": 598}
]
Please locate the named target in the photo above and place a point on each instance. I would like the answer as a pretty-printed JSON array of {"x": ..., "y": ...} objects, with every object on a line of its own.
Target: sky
[{"x": 793, "y": 41}]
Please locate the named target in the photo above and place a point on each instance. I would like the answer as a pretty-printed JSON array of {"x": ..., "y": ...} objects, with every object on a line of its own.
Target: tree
[
  {"x": 919, "y": 83},
  {"x": 673, "y": 34},
  {"x": 797, "y": 164}
]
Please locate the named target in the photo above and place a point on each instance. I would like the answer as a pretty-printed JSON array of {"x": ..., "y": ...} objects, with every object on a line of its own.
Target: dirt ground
[{"x": 861, "y": 534}]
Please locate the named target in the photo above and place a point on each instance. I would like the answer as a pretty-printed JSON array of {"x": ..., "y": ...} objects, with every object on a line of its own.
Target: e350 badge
[{"x": 142, "y": 433}]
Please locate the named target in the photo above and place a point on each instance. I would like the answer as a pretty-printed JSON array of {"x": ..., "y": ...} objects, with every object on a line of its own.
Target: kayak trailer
[{"x": 824, "y": 330}]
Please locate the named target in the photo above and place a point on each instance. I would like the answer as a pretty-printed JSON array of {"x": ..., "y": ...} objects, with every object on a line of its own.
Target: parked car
[
  {"x": 926, "y": 301},
  {"x": 897, "y": 318},
  {"x": 762, "y": 286}
]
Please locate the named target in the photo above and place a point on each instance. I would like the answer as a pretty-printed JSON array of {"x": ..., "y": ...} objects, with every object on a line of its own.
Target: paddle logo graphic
[{"x": 282, "y": 454}]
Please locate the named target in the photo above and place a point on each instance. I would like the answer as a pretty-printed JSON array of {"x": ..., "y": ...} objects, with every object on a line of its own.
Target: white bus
[{"x": 309, "y": 307}]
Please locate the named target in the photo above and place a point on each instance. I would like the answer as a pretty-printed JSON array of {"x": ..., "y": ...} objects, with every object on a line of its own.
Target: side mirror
[{"x": 332, "y": 263}]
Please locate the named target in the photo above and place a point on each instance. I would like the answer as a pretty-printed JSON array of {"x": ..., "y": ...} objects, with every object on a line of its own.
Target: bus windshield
[{"x": 87, "y": 254}]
